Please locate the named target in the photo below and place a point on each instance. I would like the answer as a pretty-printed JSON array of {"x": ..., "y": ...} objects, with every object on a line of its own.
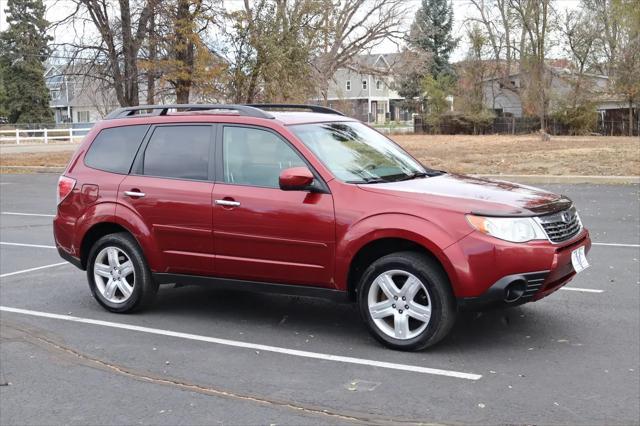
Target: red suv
[{"x": 303, "y": 200}]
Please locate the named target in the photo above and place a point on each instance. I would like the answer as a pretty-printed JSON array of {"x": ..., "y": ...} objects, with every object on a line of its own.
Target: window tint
[
  {"x": 256, "y": 157},
  {"x": 178, "y": 152},
  {"x": 113, "y": 149}
]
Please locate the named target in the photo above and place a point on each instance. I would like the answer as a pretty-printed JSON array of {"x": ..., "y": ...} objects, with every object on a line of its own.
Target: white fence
[{"x": 18, "y": 136}]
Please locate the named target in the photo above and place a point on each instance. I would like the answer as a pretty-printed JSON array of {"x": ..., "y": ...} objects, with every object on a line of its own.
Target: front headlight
[{"x": 514, "y": 229}]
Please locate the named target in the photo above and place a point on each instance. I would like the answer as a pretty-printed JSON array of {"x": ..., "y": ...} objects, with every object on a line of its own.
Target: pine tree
[
  {"x": 431, "y": 32},
  {"x": 23, "y": 49}
]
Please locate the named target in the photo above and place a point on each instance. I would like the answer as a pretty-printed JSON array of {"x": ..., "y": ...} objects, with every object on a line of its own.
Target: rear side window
[
  {"x": 113, "y": 149},
  {"x": 178, "y": 152}
]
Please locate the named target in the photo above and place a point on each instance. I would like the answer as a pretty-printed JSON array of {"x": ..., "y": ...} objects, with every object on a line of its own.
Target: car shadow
[{"x": 496, "y": 329}]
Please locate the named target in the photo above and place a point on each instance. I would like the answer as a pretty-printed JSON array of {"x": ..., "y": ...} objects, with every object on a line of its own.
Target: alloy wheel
[
  {"x": 399, "y": 304},
  {"x": 114, "y": 274}
]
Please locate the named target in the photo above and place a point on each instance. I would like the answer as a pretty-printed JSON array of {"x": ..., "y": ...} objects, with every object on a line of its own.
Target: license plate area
[{"x": 579, "y": 260}]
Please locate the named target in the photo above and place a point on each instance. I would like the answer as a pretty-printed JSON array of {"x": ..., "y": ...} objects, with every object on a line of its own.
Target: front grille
[{"x": 561, "y": 226}]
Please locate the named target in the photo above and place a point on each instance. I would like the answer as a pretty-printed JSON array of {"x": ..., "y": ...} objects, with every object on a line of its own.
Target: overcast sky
[{"x": 462, "y": 11}]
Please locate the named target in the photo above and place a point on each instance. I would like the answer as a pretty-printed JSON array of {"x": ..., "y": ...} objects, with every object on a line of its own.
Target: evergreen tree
[
  {"x": 431, "y": 32},
  {"x": 23, "y": 49}
]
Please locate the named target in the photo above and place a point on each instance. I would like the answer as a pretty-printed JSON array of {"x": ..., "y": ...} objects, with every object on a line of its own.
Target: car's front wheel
[
  {"x": 406, "y": 301},
  {"x": 118, "y": 275}
]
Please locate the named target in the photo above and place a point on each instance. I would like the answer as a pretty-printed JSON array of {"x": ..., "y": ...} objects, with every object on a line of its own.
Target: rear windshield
[{"x": 114, "y": 148}]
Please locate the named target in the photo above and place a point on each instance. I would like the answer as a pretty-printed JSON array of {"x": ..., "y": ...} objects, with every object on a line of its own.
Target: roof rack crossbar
[
  {"x": 313, "y": 108},
  {"x": 245, "y": 110}
]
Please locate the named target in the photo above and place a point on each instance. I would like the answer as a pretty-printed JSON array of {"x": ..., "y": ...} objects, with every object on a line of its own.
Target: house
[
  {"x": 76, "y": 98},
  {"x": 365, "y": 90},
  {"x": 504, "y": 98}
]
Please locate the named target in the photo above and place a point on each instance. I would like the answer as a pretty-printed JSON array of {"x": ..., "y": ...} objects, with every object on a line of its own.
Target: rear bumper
[{"x": 69, "y": 258}]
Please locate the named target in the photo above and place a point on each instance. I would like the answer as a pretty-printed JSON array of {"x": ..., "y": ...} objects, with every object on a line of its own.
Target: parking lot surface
[{"x": 206, "y": 356}]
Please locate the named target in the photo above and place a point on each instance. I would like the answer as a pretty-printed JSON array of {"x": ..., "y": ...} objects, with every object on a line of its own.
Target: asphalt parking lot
[{"x": 206, "y": 356}]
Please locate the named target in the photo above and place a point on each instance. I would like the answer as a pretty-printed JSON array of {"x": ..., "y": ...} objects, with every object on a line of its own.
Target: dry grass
[
  {"x": 50, "y": 159},
  {"x": 505, "y": 154},
  {"x": 495, "y": 154}
]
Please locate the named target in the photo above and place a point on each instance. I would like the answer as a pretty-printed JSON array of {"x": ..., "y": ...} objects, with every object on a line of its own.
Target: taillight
[{"x": 65, "y": 186}]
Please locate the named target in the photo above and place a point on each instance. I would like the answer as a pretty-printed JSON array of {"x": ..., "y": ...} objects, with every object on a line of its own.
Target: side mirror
[{"x": 296, "y": 179}]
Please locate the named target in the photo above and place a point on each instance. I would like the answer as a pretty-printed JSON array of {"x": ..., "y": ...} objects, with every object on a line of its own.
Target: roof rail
[
  {"x": 313, "y": 108},
  {"x": 132, "y": 111}
]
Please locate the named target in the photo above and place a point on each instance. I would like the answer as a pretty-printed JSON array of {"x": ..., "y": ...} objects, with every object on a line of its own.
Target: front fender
[{"x": 409, "y": 227}]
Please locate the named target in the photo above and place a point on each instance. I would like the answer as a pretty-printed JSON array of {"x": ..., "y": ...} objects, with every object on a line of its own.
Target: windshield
[{"x": 356, "y": 153}]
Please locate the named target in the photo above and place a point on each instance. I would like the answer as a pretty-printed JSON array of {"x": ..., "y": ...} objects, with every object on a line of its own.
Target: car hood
[{"x": 475, "y": 195}]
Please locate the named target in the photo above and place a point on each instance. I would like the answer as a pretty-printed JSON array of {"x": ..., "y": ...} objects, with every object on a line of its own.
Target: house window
[
  {"x": 348, "y": 85},
  {"x": 364, "y": 84},
  {"x": 55, "y": 94},
  {"x": 379, "y": 85},
  {"x": 83, "y": 116}
]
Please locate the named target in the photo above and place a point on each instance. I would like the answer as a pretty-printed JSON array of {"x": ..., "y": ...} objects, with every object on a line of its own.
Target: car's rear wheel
[
  {"x": 118, "y": 275},
  {"x": 406, "y": 301}
]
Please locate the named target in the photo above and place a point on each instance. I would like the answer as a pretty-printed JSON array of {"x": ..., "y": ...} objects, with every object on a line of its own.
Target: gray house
[
  {"x": 76, "y": 98},
  {"x": 505, "y": 100},
  {"x": 365, "y": 90}
]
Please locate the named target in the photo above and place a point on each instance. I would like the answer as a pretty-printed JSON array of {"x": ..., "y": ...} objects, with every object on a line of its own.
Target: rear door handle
[
  {"x": 134, "y": 194},
  {"x": 227, "y": 203}
]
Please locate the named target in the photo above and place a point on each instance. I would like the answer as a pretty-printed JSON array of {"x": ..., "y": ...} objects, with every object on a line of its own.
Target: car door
[
  {"x": 170, "y": 189},
  {"x": 261, "y": 232}
]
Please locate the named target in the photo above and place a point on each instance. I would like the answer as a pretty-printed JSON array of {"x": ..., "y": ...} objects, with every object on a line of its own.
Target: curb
[
  {"x": 567, "y": 179},
  {"x": 32, "y": 169}
]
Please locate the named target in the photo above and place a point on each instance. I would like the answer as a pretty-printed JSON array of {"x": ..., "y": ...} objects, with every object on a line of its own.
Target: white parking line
[
  {"x": 253, "y": 346},
  {"x": 585, "y": 290},
  {"x": 4, "y": 243},
  {"x": 28, "y": 214},
  {"x": 33, "y": 269},
  {"x": 615, "y": 245}
]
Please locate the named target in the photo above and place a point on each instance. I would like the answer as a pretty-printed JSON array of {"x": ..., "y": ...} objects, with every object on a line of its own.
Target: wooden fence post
[
  {"x": 17, "y": 136},
  {"x": 46, "y": 139}
]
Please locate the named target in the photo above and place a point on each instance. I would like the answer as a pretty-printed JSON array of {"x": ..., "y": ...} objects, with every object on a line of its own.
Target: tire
[
  {"x": 395, "y": 326},
  {"x": 140, "y": 289}
]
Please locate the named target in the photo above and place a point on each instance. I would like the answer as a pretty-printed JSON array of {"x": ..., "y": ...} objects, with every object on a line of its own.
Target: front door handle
[
  {"x": 227, "y": 203},
  {"x": 134, "y": 194}
]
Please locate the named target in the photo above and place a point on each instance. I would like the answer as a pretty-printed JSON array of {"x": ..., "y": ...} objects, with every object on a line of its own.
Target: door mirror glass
[{"x": 296, "y": 179}]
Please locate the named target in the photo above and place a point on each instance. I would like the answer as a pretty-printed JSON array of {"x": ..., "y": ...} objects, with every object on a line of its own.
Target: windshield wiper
[
  {"x": 368, "y": 180},
  {"x": 413, "y": 175}
]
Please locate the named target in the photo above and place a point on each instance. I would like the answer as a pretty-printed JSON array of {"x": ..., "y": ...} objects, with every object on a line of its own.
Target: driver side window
[{"x": 255, "y": 157}]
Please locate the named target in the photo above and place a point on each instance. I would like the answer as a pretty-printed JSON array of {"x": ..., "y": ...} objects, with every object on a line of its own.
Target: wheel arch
[
  {"x": 382, "y": 234},
  {"x": 96, "y": 232},
  {"x": 378, "y": 248}
]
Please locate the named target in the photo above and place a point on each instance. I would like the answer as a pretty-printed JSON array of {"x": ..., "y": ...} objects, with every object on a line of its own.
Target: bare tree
[
  {"x": 121, "y": 29},
  {"x": 580, "y": 34},
  {"x": 271, "y": 45},
  {"x": 610, "y": 32},
  {"x": 499, "y": 23},
  {"x": 178, "y": 54},
  {"x": 352, "y": 27},
  {"x": 535, "y": 18}
]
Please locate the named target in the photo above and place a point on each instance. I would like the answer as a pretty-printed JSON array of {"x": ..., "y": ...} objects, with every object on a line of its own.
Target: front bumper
[
  {"x": 498, "y": 295},
  {"x": 497, "y": 273}
]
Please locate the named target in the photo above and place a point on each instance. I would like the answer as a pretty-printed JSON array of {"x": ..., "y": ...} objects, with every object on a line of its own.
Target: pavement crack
[{"x": 207, "y": 390}]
